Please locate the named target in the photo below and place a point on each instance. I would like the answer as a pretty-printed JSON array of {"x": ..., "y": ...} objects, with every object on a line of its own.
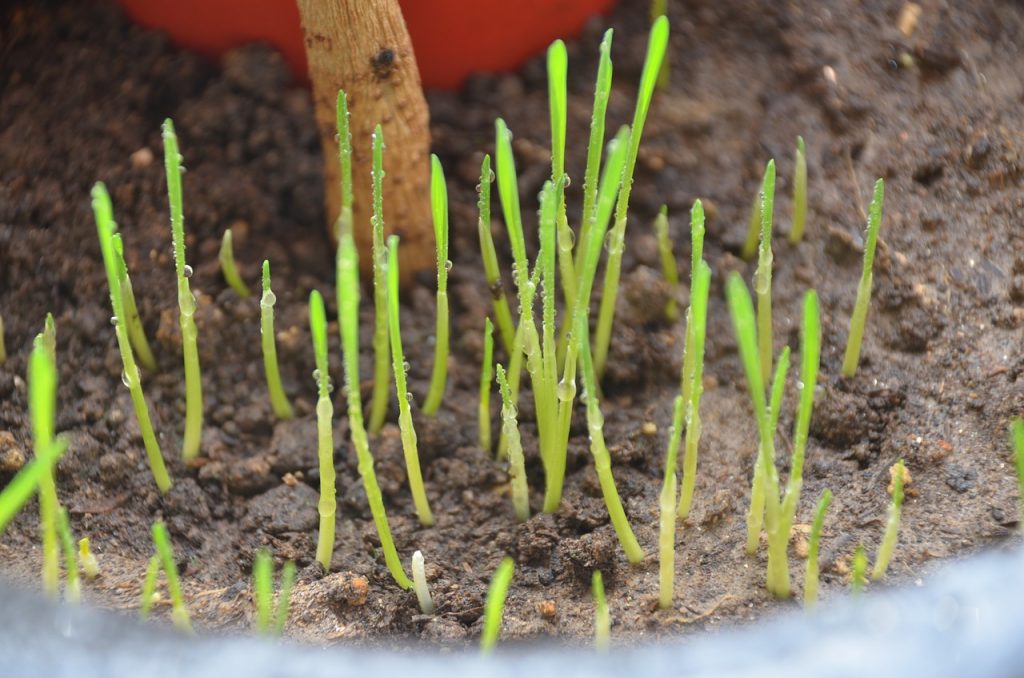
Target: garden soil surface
[{"x": 935, "y": 108}]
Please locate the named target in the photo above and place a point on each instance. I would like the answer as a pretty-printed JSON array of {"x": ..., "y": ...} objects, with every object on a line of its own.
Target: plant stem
[
  {"x": 517, "y": 467},
  {"x": 668, "y": 262},
  {"x": 502, "y": 313},
  {"x": 494, "y": 607},
  {"x": 228, "y": 267},
  {"x": 136, "y": 333},
  {"x": 860, "y": 308},
  {"x": 149, "y": 587},
  {"x": 892, "y": 524},
  {"x": 796, "y": 233},
  {"x": 263, "y": 588},
  {"x": 811, "y": 575},
  {"x": 408, "y": 431},
  {"x": 381, "y": 386},
  {"x": 439, "y": 203},
  {"x": 284, "y": 597},
  {"x": 328, "y": 505},
  {"x": 72, "y": 584},
  {"x": 602, "y": 620},
  {"x": 21, "y": 488},
  {"x": 42, "y": 398},
  {"x": 419, "y": 577},
  {"x": 763, "y": 274},
  {"x": 486, "y": 368},
  {"x": 162, "y": 542},
  {"x": 1017, "y": 442},
  {"x": 278, "y": 399}
]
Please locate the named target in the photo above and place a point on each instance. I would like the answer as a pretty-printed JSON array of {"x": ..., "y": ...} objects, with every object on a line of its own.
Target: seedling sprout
[
  {"x": 271, "y": 622},
  {"x": 486, "y": 369},
  {"x": 72, "y": 584},
  {"x": 186, "y": 300},
  {"x": 860, "y": 307},
  {"x": 112, "y": 262},
  {"x": 228, "y": 268},
  {"x": 42, "y": 404},
  {"x": 439, "y": 205},
  {"x": 502, "y": 313},
  {"x": 136, "y": 333},
  {"x": 858, "y": 568},
  {"x": 811, "y": 572},
  {"x": 86, "y": 559},
  {"x": 517, "y": 468},
  {"x": 381, "y": 388},
  {"x": 149, "y": 587},
  {"x": 763, "y": 274},
  {"x": 494, "y": 607},
  {"x": 796, "y": 233},
  {"x": 1017, "y": 440},
  {"x": 162, "y": 542},
  {"x": 278, "y": 399},
  {"x": 668, "y": 262},
  {"x": 348, "y": 326},
  {"x": 892, "y": 523},
  {"x": 405, "y": 423},
  {"x": 602, "y": 620},
  {"x": 328, "y": 505},
  {"x": 345, "y": 162},
  {"x": 419, "y": 578}
]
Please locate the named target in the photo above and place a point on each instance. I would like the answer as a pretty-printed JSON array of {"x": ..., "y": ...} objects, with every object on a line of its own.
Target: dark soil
[{"x": 936, "y": 113}]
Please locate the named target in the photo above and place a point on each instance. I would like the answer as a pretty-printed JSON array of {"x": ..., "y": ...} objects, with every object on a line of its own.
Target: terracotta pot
[{"x": 452, "y": 38}]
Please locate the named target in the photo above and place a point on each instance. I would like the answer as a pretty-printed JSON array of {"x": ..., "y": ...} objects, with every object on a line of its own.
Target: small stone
[
  {"x": 347, "y": 589},
  {"x": 649, "y": 428},
  {"x": 142, "y": 158},
  {"x": 12, "y": 457},
  {"x": 547, "y": 609}
]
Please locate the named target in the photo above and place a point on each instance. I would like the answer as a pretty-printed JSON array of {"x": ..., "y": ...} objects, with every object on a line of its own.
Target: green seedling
[
  {"x": 344, "y": 224},
  {"x": 381, "y": 387},
  {"x": 72, "y": 584},
  {"x": 860, "y": 307},
  {"x": 348, "y": 326},
  {"x": 517, "y": 465},
  {"x": 328, "y": 505},
  {"x": 228, "y": 268},
  {"x": 419, "y": 579},
  {"x": 186, "y": 300},
  {"x": 3, "y": 344},
  {"x": 602, "y": 620},
  {"x": 48, "y": 337},
  {"x": 86, "y": 559},
  {"x": 892, "y": 523},
  {"x": 858, "y": 568},
  {"x": 749, "y": 248},
  {"x": 656, "y": 47},
  {"x": 439, "y": 206},
  {"x": 1017, "y": 441},
  {"x": 502, "y": 313},
  {"x": 692, "y": 378},
  {"x": 25, "y": 484},
  {"x": 811, "y": 573},
  {"x": 796, "y": 233},
  {"x": 136, "y": 333},
  {"x": 42, "y": 405},
  {"x": 162, "y": 542},
  {"x": 405, "y": 423},
  {"x": 486, "y": 369},
  {"x": 558, "y": 67},
  {"x": 113, "y": 263},
  {"x": 271, "y": 622},
  {"x": 149, "y": 595},
  {"x": 687, "y": 404},
  {"x": 763, "y": 274},
  {"x": 494, "y": 607},
  {"x": 278, "y": 399},
  {"x": 668, "y": 262},
  {"x": 660, "y": 8}
]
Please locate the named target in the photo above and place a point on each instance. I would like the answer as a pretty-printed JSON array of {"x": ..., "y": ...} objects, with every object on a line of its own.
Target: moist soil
[{"x": 936, "y": 112}]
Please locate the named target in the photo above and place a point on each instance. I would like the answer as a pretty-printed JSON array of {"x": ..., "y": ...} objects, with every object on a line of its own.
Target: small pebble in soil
[{"x": 346, "y": 588}]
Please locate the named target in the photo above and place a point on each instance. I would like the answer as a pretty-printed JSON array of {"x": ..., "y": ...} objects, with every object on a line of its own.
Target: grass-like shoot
[
  {"x": 328, "y": 505},
  {"x": 1017, "y": 441},
  {"x": 112, "y": 262},
  {"x": 381, "y": 356},
  {"x": 278, "y": 399},
  {"x": 558, "y": 66},
  {"x": 517, "y": 465},
  {"x": 494, "y": 607},
  {"x": 186, "y": 300},
  {"x": 228, "y": 268},
  {"x": 858, "y": 570},
  {"x": 486, "y": 369},
  {"x": 814, "y": 544},
  {"x": 656, "y": 47},
  {"x": 87, "y": 560},
  {"x": 860, "y": 307},
  {"x": 72, "y": 584},
  {"x": 602, "y": 620},
  {"x": 42, "y": 405},
  {"x": 489, "y": 256},
  {"x": 148, "y": 596},
  {"x": 348, "y": 326},
  {"x": 687, "y": 404},
  {"x": 162, "y": 543},
  {"x": 796, "y": 232},
  {"x": 419, "y": 580},
  {"x": 660, "y": 8},
  {"x": 668, "y": 262},
  {"x": 271, "y": 622},
  {"x": 136, "y": 333},
  {"x": 763, "y": 274},
  {"x": 405, "y": 423},
  {"x": 25, "y": 484},
  {"x": 892, "y": 523},
  {"x": 344, "y": 224},
  {"x": 439, "y": 207}
]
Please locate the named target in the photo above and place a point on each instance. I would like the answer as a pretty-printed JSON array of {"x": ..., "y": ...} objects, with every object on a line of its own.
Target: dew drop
[
  {"x": 187, "y": 271},
  {"x": 478, "y": 188},
  {"x": 269, "y": 298},
  {"x": 566, "y": 180},
  {"x": 125, "y": 379},
  {"x": 405, "y": 366},
  {"x": 448, "y": 265},
  {"x": 490, "y": 176},
  {"x": 114, "y": 321},
  {"x": 316, "y": 376},
  {"x": 566, "y": 390},
  {"x": 182, "y": 169}
]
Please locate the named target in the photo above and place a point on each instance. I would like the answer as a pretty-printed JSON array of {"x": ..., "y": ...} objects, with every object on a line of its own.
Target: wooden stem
[{"x": 363, "y": 47}]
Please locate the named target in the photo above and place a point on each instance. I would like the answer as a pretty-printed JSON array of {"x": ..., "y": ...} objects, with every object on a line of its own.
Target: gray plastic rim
[{"x": 967, "y": 620}]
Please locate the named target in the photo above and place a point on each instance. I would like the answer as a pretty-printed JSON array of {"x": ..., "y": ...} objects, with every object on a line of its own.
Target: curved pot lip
[{"x": 966, "y": 621}]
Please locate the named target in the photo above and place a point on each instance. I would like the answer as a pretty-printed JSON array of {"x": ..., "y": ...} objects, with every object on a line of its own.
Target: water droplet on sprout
[{"x": 187, "y": 271}]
